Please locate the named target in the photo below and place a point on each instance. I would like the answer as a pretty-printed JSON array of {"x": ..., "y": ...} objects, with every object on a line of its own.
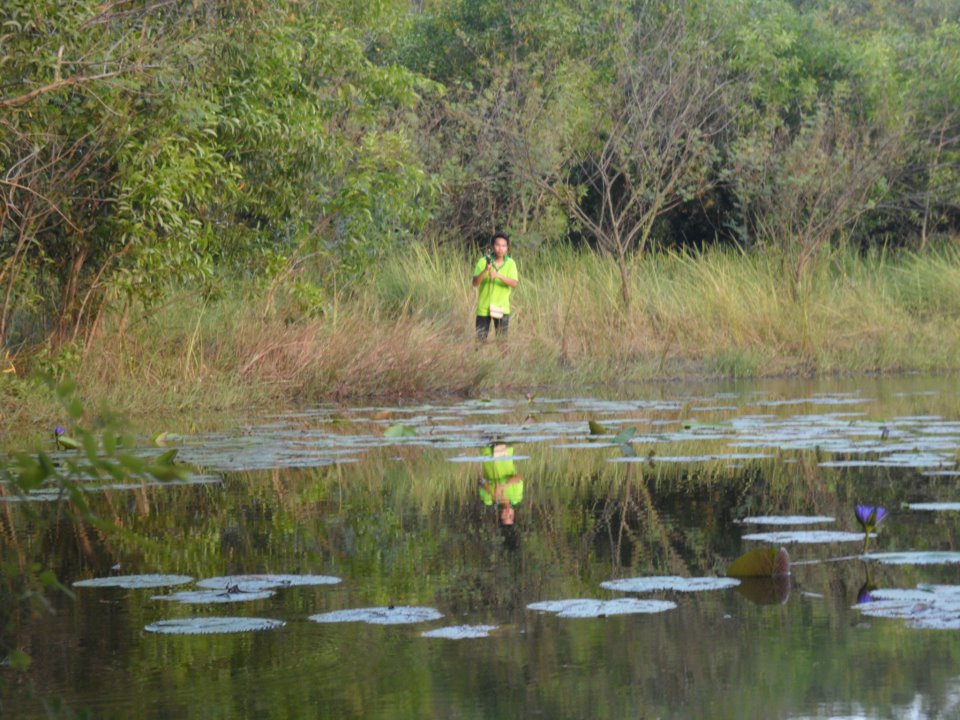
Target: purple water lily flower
[
  {"x": 869, "y": 516},
  {"x": 59, "y": 430}
]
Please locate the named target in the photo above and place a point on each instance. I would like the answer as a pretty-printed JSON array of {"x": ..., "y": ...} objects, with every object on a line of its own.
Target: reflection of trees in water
[{"x": 413, "y": 531}]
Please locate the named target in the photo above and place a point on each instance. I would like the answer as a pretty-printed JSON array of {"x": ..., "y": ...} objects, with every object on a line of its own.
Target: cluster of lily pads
[
  {"x": 240, "y": 588},
  {"x": 926, "y": 443}
]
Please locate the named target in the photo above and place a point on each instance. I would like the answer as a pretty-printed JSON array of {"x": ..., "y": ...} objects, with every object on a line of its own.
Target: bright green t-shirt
[
  {"x": 494, "y": 292},
  {"x": 498, "y": 471}
]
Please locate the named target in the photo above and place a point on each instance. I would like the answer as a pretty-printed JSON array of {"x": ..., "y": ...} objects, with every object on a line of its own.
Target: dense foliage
[{"x": 149, "y": 144}]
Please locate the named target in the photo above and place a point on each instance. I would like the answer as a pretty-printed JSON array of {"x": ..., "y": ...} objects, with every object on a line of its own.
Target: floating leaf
[
  {"x": 678, "y": 584},
  {"x": 399, "y": 431},
  {"x": 587, "y": 608},
  {"x": 806, "y": 536},
  {"x": 255, "y": 583},
  {"x": 935, "y": 506},
  {"x": 787, "y": 520},
  {"x": 393, "y": 615},
  {"x": 166, "y": 438},
  {"x": 761, "y": 562},
  {"x": 931, "y": 607},
  {"x": 915, "y": 558},
  {"x": 206, "y": 597},
  {"x": 68, "y": 442},
  {"x": 460, "y": 632},
  {"x": 135, "y": 582},
  {"x": 212, "y": 625},
  {"x": 596, "y": 428}
]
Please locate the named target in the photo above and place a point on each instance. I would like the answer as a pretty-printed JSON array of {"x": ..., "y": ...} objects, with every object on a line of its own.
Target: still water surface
[{"x": 418, "y": 521}]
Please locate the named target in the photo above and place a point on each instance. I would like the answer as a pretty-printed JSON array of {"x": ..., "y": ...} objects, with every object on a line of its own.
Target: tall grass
[{"x": 409, "y": 330}]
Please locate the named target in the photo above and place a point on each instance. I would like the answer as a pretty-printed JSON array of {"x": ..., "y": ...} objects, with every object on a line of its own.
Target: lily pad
[
  {"x": 135, "y": 582},
  {"x": 596, "y": 428},
  {"x": 398, "y": 615},
  {"x": 206, "y": 597},
  {"x": 787, "y": 520},
  {"x": 212, "y": 625},
  {"x": 677, "y": 584},
  {"x": 256, "y": 583},
  {"x": 936, "y": 506},
  {"x": 762, "y": 562},
  {"x": 399, "y": 431},
  {"x": 587, "y": 608},
  {"x": 915, "y": 558},
  {"x": 806, "y": 536},
  {"x": 931, "y": 607},
  {"x": 460, "y": 632},
  {"x": 485, "y": 458}
]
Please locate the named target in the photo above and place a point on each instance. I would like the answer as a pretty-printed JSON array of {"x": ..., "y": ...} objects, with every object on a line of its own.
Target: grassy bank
[{"x": 408, "y": 331}]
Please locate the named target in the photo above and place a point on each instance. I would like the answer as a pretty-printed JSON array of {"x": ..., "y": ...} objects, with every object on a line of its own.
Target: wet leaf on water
[
  {"x": 255, "y": 583},
  {"x": 596, "y": 428},
  {"x": 166, "y": 438},
  {"x": 212, "y": 625},
  {"x": 206, "y": 597},
  {"x": 485, "y": 458},
  {"x": 677, "y": 584},
  {"x": 460, "y": 632},
  {"x": 935, "y": 506},
  {"x": 399, "y": 431},
  {"x": 761, "y": 562},
  {"x": 915, "y": 558},
  {"x": 393, "y": 615},
  {"x": 787, "y": 520},
  {"x": 929, "y": 607},
  {"x": 588, "y": 608},
  {"x": 135, "y": 582},
  {"x": 807, "y": 536},
  {"x": 68, "y": 442}
]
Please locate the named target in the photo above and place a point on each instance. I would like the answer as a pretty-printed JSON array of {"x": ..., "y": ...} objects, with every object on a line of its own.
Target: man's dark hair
[{"x": 500, "y": 235}]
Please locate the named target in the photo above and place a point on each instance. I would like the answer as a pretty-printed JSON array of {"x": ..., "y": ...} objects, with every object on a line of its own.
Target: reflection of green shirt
[
  {"x": 499, "y": 472},
  {"x": 513, "y": 493},
  {"x": 499, "y": 469},
  {"x": 494, "y": 292}
]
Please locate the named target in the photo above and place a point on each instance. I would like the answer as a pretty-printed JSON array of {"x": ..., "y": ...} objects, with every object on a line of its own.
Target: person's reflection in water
[{"x": 501, "y": 485}]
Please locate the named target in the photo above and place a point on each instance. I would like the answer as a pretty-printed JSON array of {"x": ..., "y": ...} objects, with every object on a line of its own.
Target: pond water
[{"x": 361, "y": 562}]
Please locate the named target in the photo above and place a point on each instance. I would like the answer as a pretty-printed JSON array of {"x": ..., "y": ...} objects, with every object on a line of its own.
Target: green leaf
[
  {"x": 70, "y": 443},
  {"x": 66, "y": 388},
  {"x": 399, "y": 430},
  {"x": 168, "y": 457},
  {"x": 166, "y": 438},
  {"x": 18, "y": 660},
  {"x": 596, "y": 428},
  {"x": 761, "y": 562}
]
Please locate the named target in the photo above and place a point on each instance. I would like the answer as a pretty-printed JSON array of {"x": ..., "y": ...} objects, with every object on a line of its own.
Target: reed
[{"x": 408, "y": 331}]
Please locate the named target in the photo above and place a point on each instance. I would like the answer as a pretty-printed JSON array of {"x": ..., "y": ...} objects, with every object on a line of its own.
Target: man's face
[
  {"x": 506, "y": 515},
  {"x": 500, "y": 247}
]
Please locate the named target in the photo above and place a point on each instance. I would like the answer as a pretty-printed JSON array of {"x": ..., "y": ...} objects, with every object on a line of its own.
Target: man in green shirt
[{"x": 496, "y": 276}]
